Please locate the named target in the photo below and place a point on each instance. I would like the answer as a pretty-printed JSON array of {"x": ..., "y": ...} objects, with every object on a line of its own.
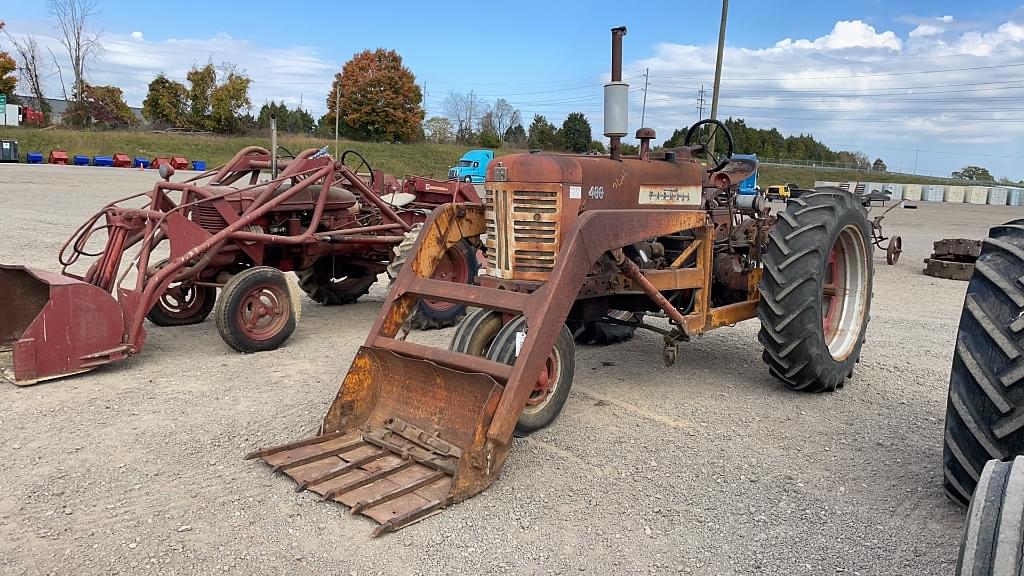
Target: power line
[{"x": 868, "y": 75}]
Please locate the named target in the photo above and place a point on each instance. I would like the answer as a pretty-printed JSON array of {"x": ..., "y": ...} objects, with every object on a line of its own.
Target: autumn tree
[
  {"x": 576, "y": 133},
  {"x": 100, "y": 106},
  {"x": 166, "y": 102},
  {"x": 379, "y": 98},
  {"x": 542, "y": 134},
  {"x": 973, "y": 173},
  {"x": 201, "y": 81},
  {"x": 227, "y": 102},
  {"x": 438, "y": 129},
  {"x": 8, "y": 79}
]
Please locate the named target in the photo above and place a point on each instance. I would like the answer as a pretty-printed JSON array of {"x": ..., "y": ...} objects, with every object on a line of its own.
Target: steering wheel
[
  {"x": 363, "y": 163},
  {"x": 699, "y": 137}
]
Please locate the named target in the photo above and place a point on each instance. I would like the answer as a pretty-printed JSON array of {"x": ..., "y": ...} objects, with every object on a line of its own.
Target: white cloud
[
  {"x": 137, "y": 35},
  {"x": 861, "y": 88},
  {"x": 844, "y": 35},
  {"x": 925, "y": 30}
]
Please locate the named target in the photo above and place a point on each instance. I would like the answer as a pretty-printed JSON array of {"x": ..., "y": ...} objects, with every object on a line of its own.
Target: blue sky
[{"x": 928, "y": 83}]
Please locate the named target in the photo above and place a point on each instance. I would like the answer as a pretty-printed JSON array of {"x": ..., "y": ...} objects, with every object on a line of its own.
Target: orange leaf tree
[{"x": 379, "y": 98}]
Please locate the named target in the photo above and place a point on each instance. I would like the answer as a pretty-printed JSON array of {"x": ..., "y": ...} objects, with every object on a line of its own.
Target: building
[{"x": 59, "y": 105}]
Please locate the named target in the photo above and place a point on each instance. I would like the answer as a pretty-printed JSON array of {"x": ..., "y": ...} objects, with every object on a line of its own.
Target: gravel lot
[{"x": 709, "y": 467}]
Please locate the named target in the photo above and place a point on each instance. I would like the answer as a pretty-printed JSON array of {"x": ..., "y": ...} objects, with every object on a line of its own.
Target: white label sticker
[
  {"x": 670, "y": 195},
  {"x": 520, "y": 339},
  {"x": 575, "y": 192},
  {"x": 7, "y": 145}
]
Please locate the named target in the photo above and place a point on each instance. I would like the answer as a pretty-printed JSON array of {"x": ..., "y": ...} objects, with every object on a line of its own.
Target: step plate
[{"x": 377, "y": 482}]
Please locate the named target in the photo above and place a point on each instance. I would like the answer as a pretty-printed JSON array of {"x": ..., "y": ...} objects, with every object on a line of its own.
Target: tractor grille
[
  {"x": 522, "y": 230},
  {"x": 207, "y": 216}
]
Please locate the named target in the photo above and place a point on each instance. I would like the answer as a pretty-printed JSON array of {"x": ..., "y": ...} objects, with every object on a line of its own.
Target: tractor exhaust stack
[{"x": 616, "y": 98}]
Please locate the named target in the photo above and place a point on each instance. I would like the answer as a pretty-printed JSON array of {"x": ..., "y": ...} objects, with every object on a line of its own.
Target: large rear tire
[
  {"x": 985, "y": 409},
  {"x": 459, "y": 265},
  {"x": 333, "y": 282},
  {"x": 993, "y": 537},
  {"x": 816, "y": 291}
]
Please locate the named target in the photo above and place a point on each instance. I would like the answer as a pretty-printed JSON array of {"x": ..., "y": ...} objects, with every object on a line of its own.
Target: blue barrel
[
  {"x": 199, "y": 165},
  {"x": 103, "y": 161},
  {"x": 81, "y": 160},
  {"x": 139, "y": 162},
  {"x": 34, "y": 157}
]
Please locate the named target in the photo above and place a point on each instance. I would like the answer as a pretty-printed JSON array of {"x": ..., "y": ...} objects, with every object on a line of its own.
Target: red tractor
[{"x": 237, "y": 228}]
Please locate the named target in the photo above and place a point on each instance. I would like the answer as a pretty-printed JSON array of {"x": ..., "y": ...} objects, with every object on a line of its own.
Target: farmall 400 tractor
[{"x": 580, "y": 247}]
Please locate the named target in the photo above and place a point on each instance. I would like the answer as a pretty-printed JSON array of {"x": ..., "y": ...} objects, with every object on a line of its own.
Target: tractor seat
[{"x": 399, "y": 199}]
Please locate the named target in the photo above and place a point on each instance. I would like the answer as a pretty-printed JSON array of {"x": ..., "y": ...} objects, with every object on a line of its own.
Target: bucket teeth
[{"x": 377, "y": 471}]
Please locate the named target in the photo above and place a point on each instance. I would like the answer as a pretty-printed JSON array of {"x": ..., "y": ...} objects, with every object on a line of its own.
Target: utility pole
[
  {"x": 915, "y": 162},
  {"x": 700, "y": 103},
  {"x": 643, "y": 111},
  {"x": 718, "y": 68}
]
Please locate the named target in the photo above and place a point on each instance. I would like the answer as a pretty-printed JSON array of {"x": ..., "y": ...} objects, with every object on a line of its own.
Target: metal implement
[{"x": 233, "y": 227}]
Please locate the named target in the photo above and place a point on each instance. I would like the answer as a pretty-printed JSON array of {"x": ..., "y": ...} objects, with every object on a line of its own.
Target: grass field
[{"x": 398, "y": 159}]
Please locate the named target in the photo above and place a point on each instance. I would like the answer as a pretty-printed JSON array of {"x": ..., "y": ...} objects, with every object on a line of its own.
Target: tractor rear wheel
[
  {"x": 332, "y": 281},
  {"x": 183, "y": 305},
  {"x": 993, "y": 538},
  {"x": 257, "y": 310},
  {"x": 986, "y": 383},
  {"x": 816, "y": 290},
  {"x": 553, "y": 383},
  {"x": 459, "y": 265}
]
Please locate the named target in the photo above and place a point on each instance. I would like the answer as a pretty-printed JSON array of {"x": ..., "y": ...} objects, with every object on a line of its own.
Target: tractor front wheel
[
  {"x": 458, "y": 265},
  {"x": 551, "y": 389},
  {"x": 257, "y": 310},
  {"x": 816, "y": 290}
]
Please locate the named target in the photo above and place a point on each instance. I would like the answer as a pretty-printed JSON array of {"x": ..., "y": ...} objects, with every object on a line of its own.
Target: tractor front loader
[
  {"x": 220, "y": 243},
  {"x": 576, "y": 242}
]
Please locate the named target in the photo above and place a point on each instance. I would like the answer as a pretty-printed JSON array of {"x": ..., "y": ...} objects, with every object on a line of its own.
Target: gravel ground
[{"x": 708, "y": 467}]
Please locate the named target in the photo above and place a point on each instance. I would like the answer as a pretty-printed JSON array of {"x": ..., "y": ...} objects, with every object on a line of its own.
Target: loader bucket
[
  {"x": 403, "y": 439},
  {"x": 52, "y": 326}
]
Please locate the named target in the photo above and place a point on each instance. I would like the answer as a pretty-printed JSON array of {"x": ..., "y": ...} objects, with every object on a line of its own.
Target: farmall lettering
[{"x": 670, "y": 195}]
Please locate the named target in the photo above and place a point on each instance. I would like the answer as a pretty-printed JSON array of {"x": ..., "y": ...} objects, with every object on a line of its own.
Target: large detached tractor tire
[
  {"x": 816, "y": 290},
  {"x": 459, "y": 265},
  {"x": 553, "y": 383},
  {"x": 333, "y": 282},
  {"x": 993, "y": 537},
  {"x": 605, "y": 333},
  {"x": 985, "y": 410},
  {"x": 257, "y": 310}
]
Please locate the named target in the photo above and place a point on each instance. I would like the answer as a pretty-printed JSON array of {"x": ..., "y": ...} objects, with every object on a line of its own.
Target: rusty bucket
[
  {"x": 52, "y": 325},
  {"x": 403, "y": 439}
]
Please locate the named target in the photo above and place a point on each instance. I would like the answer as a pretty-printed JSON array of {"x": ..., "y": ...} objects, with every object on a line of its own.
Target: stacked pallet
[
  {"x": 954, "y": 194},
  {"x": 997, "y": 196},
  {"x": 976, "y": 195},
  {"x": 912, "y": 192},
  {"x": 933, "y": 193}
]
